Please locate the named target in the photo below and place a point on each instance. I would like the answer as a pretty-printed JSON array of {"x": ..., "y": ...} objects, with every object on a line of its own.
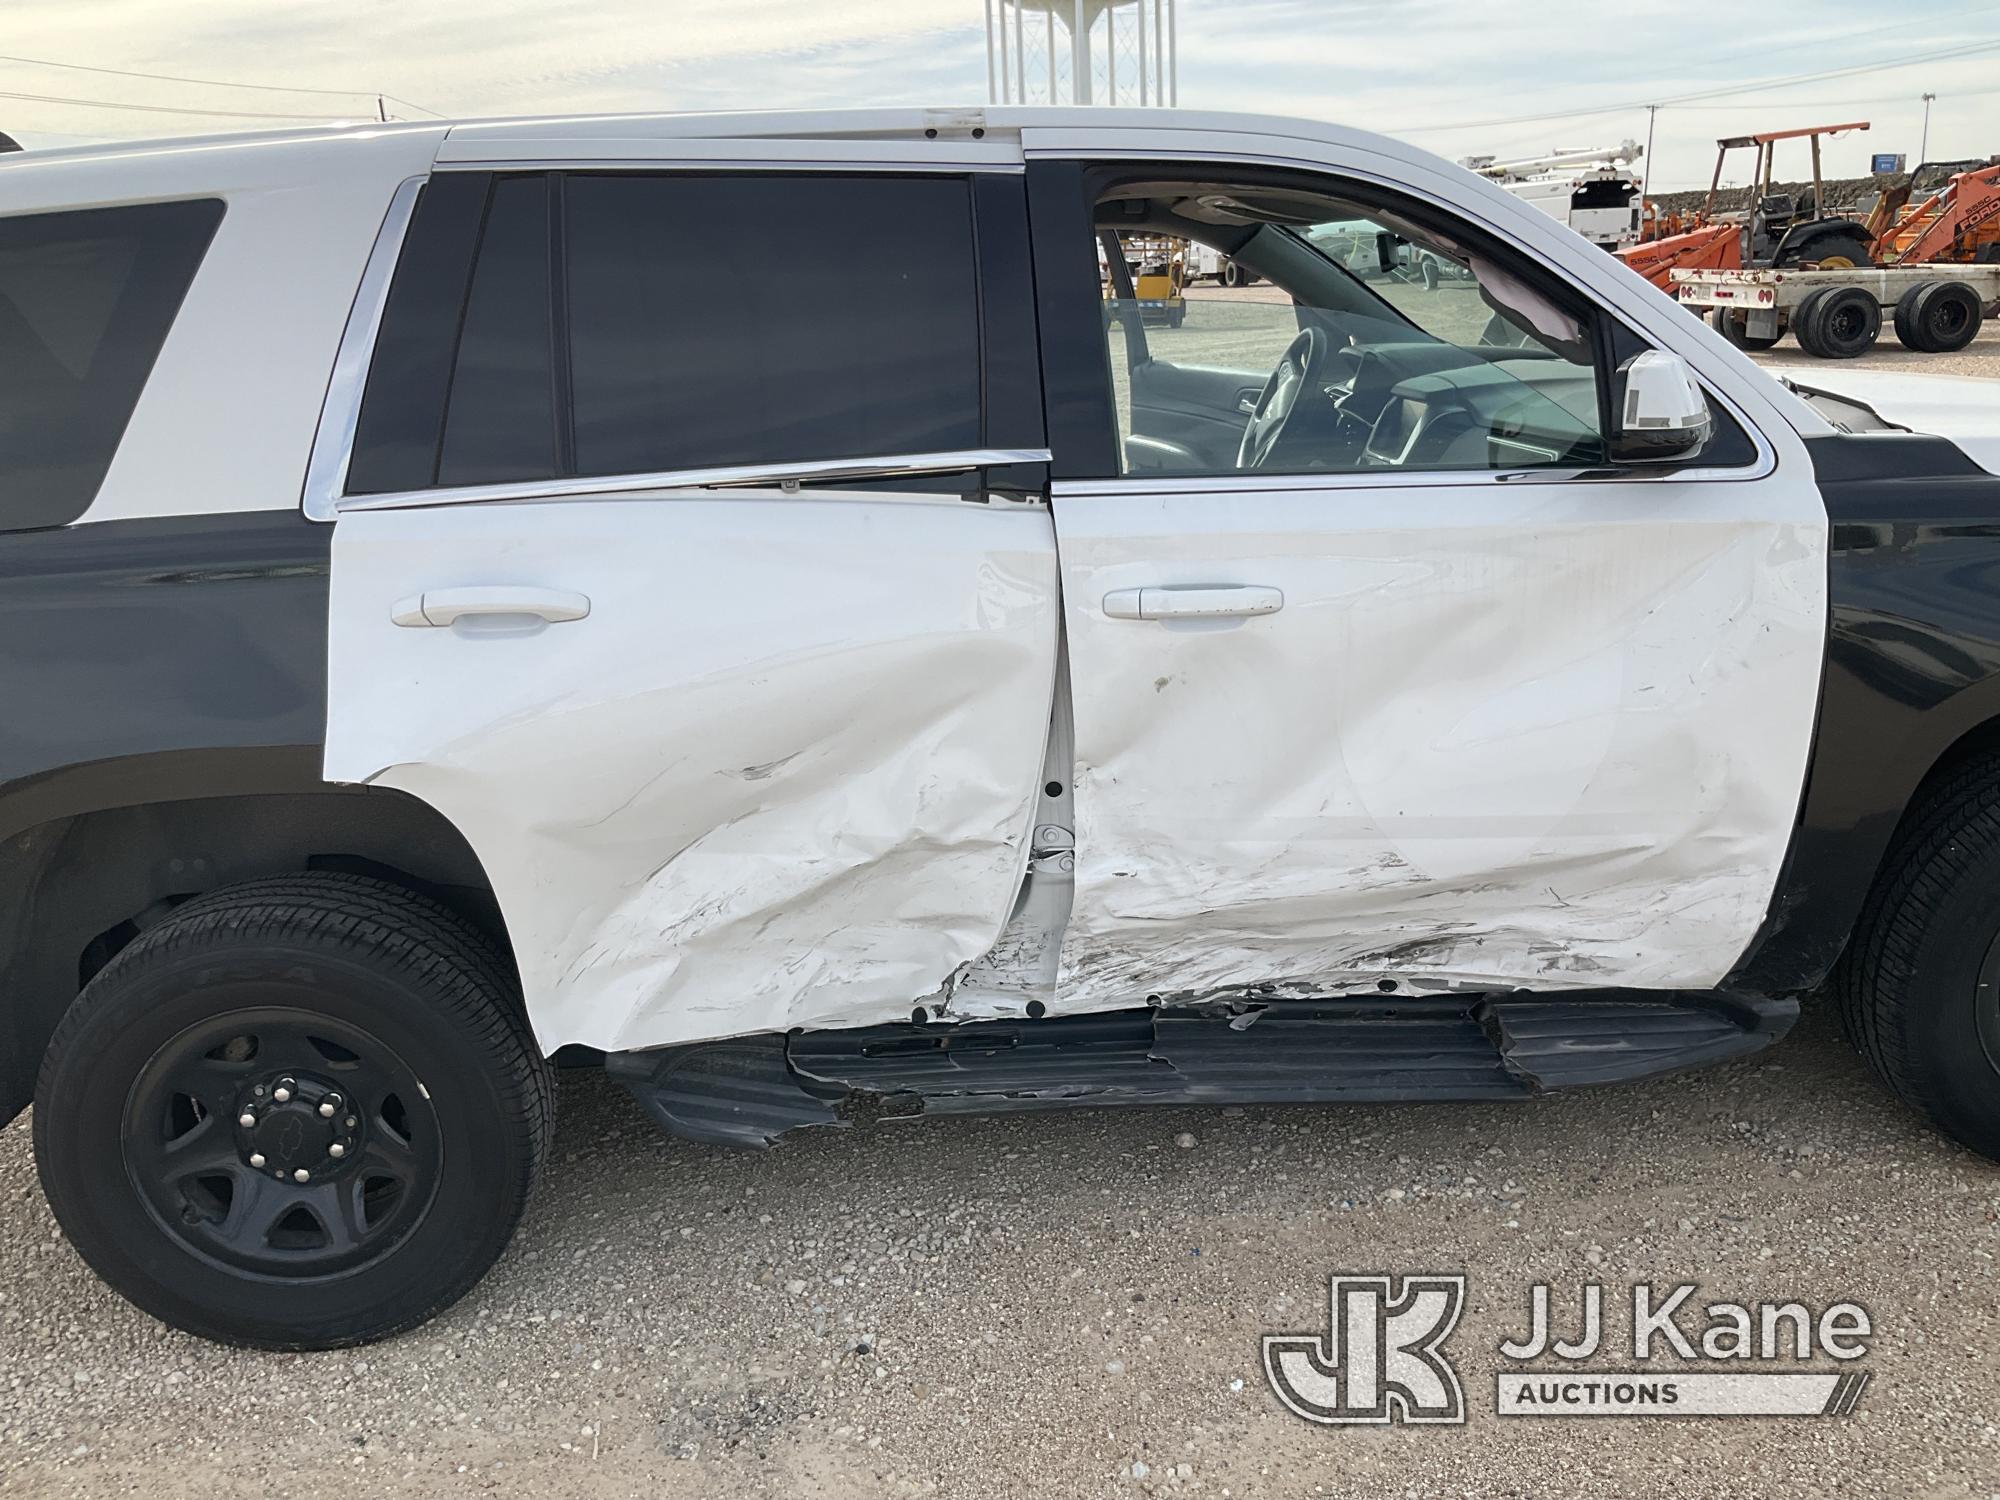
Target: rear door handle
[
  {"x": 447, "y": 606},
  {"x": 1230, "y": 602}
]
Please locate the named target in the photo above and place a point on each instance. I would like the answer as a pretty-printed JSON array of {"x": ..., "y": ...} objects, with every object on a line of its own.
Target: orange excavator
[{"x": 1779, "y": 231}]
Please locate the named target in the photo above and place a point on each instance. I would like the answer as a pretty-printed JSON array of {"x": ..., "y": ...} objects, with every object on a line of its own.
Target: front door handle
[
  {"x": 1201, "y": 602},
  {"x": 448, "y": 606}
]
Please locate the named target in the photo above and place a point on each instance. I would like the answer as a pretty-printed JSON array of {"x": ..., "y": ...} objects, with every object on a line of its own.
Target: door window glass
[
  {"x": 500, "y": 423},
  {"x": 721, "y": 320},
  {"x": 1366, "y": 343}
]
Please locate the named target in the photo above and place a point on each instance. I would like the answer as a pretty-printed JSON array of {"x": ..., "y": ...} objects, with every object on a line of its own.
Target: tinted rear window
[
  {"x": 722, "y": 320},
  {"x": 86, "y": 299}
]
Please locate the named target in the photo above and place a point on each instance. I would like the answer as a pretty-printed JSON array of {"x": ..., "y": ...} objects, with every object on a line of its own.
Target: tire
[
  {"x": 1834, "y": 250},
  {"x": 1916, "y": 991},
  {"x": 1946, "y": 315},
  {"x": 1839, "y": 322},
  {"x": 1908, "y": 332},
  {"x": 1735, "y": 329},
  {"x": 417, "y": 1106},
  {"x": 1233, "y": 274},
  {"x": 1805, "y": 316}
]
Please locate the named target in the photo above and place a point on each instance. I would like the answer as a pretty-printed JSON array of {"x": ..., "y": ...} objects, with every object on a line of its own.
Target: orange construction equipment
[
  {"x": 1776, "y": 232},
  {"x": 1959, "y": 222}
]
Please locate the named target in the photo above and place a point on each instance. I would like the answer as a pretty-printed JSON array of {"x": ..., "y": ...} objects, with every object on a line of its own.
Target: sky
[{"x": 1454, "y": 76}]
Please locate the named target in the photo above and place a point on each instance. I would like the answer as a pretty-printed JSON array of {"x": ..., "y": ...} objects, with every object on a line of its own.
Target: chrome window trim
[
  {"x": 333, "y": 440},
  {"x": 639, "y": 164},
  {"x": 764, "y": 476},
  {"x": 1253, "y": 481}
]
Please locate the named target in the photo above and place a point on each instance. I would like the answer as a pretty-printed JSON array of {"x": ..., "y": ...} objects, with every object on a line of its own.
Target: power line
[
  {"x": 167, "y": 109},
  {"x": 213, "y": 83},
  {"x": 1753, "y": 86},
  {"x": 1835, "y": 103}
]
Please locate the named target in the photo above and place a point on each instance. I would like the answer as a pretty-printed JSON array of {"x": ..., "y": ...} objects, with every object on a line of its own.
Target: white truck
[{"x": 1592, "y": 189}]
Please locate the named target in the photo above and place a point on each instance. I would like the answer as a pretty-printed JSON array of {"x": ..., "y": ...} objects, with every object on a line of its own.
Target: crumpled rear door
[{"x": 781, "y": 774}]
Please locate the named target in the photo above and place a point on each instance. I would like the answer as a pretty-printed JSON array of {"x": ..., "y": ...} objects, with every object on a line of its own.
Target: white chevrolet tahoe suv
[{"x": 734, "y": 601}]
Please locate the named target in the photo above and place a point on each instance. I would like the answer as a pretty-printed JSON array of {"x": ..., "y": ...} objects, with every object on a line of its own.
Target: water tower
[{"x": 1081, "y": 52}]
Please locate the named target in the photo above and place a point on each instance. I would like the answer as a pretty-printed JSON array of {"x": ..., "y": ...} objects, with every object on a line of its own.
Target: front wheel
[
  {"x": 300, "y": 1113},
  {"x": 1920, "y": 989}
]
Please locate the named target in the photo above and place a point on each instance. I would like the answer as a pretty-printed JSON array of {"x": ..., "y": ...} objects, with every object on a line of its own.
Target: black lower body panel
[{"x": 750, "y": 1090}]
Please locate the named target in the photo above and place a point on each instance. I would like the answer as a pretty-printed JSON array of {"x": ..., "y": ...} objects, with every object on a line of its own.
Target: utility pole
[
  {"x": 1924, "y": 150},
  {"x": 1646, "y": 170}
]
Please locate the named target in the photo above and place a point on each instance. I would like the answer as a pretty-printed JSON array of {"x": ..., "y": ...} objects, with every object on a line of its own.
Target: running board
[{"x": 749, "y": 1090}]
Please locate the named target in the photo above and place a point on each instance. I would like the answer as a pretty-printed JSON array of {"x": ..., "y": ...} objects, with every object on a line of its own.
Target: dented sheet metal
[
  {"x": 1531, "y": 733},
  {"x": 783, "y": 774}
]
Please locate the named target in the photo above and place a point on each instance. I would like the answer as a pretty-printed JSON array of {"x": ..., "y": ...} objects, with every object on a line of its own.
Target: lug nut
[
  {"x": 352, "y": 1122},
  {"x": 336, "y": 1149},
  {"x": 256, "y": 1158},
  {"x": 246, "y": 1119},
  {"x": 281, "y": 1093},
  {"x": 301, "y": 1175},
  {"x": 326, "y": 1110}
]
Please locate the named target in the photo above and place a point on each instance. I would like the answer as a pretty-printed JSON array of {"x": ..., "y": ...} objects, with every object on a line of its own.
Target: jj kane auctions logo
[{"x": 1382, "y": 1357}]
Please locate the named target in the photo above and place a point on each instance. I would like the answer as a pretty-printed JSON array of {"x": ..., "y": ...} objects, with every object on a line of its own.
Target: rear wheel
[
  {"x": 1735, "y": 327},
  {"x": 299, "y": 1113},
  {"x": 1838, "y": 322},
  {"x": 1920, "y": 989},
  {"x": 1831, "y": 250},
  {"x": 1945, "y": 316},
  {"x": 1908, "y": 333}
]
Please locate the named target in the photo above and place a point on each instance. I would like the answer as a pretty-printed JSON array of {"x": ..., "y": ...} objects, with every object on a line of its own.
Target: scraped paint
[
  {"x": 784, "y": 774},
  {"x": 1538, "y": 734}
]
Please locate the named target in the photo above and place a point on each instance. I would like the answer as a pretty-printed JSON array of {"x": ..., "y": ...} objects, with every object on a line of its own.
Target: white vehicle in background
[{"x": 1592, "y": 189}]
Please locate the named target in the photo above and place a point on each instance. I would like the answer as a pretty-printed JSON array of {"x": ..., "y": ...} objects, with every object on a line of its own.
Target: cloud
[{"x": 1403, "y": 69}]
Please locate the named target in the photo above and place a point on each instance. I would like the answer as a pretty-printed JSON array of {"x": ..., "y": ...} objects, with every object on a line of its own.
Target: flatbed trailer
[{"x": 1934, "y": 307}]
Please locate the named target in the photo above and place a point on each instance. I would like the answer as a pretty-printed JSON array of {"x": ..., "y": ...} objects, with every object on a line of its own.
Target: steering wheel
[{"x": 1298, "y": 371}]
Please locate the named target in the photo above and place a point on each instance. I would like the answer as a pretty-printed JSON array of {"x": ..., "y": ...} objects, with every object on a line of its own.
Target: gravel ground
[
  {"x": 1068, "y": 1305},
  {"x": 1980, "y": 357}
]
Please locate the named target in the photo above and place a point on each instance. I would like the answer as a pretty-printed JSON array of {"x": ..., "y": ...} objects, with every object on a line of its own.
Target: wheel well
[{"x": 75, "y": 890}]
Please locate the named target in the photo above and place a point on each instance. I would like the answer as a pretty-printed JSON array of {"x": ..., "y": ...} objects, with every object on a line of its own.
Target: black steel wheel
[
  {"x": 282, "y": 1143},
  {"x": 1909, "y": 333},
  {"x": 1839, "y": 322},
  {"x": 299, "y": 1113},
  {"x": 1734, "y": 326},
  {"x": 1946, "y": 316}
]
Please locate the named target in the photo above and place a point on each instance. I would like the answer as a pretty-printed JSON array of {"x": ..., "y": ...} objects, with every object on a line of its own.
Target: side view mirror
[
  {"x": 1663, "y": 414},
  {"x": 1386, "y": 247}
]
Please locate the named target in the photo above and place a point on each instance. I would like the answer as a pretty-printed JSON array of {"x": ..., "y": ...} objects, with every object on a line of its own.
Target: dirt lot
[{"x": 1069, "y": 1305}]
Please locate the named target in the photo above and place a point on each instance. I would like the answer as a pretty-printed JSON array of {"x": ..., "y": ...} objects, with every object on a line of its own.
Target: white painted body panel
[
  {"x": 784, "y": 771},
  {"x": 1540, "y": 734},
  {"x": 1532, "y": 733},
  {"x": 1964, "y": 408},
  {"x": 781, "y": 775}
]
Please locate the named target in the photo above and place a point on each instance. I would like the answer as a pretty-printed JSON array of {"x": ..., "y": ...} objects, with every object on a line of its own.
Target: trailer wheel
[
  {"x": 1945, "y": 316},
  {"x": 1838, "y": 322},
  {"x": 1737, "y": 330},
  {"x": 1908, "y": 334}
]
